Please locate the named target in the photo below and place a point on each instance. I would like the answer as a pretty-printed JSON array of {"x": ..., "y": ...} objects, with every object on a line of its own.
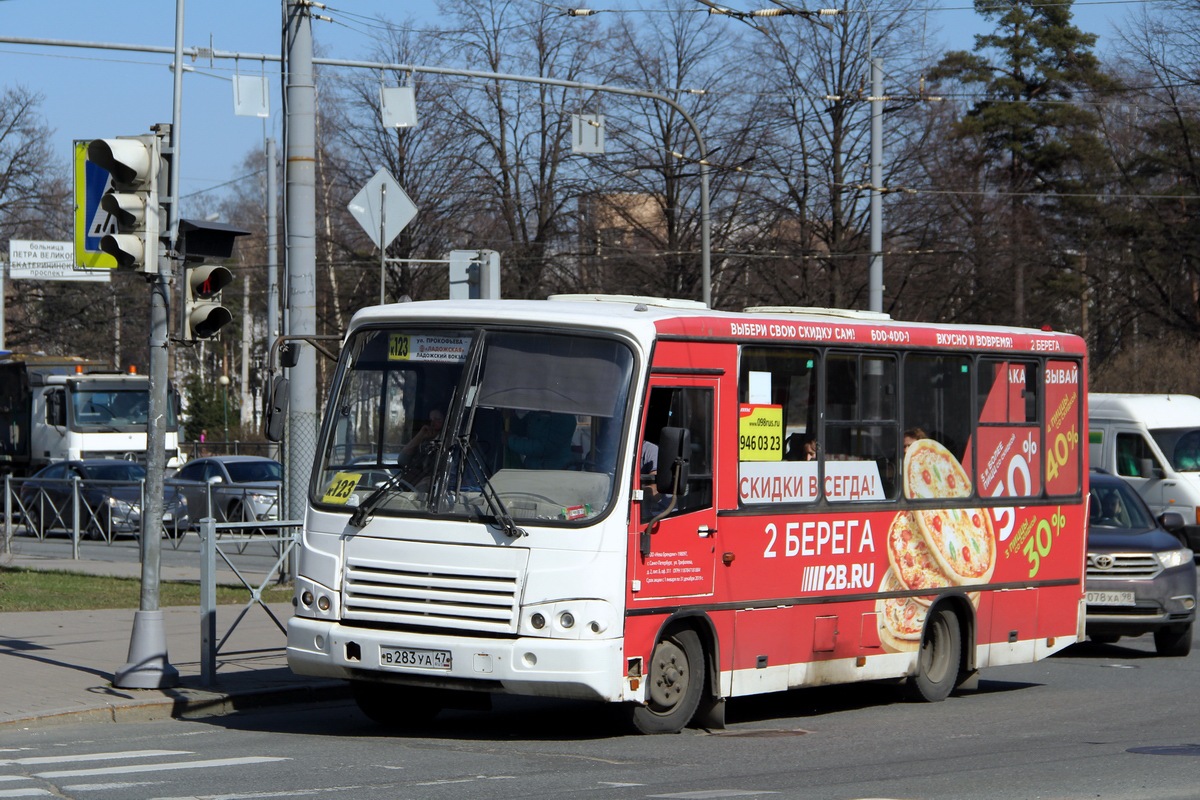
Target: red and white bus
[{"x": 644, "y": 501}]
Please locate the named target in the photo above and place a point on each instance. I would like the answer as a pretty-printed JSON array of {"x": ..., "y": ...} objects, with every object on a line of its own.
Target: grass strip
[{"x": 45, "y": 590}]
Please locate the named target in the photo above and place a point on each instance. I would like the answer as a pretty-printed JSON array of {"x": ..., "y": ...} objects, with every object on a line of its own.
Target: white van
[{"x": 1153, "y": 442}]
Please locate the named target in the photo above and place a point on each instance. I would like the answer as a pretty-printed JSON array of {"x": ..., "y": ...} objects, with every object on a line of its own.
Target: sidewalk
[{"x": 57, "y": 667}]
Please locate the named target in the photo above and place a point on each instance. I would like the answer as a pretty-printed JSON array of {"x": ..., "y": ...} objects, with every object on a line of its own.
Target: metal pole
[
  {"x": 75, "y": 519},
  {"x": 273, "y": 328},
  {"x": 382, "y": 241},
  {"x": 300, "y": 152},
  {"x": 148, "y": 666},
  {"x": 7, "y": 514},
  {"x": 876, "y": 271},
  {"x": 208, "y": 601}
]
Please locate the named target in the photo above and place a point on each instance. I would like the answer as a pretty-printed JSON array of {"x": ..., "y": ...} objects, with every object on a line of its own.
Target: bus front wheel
[
  {"x": 674, "y": 684},
  {"x": 938, "y": 659}
]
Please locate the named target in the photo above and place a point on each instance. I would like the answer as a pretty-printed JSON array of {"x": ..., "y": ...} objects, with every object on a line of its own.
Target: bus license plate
[
  {"x": 412, "y": 657},
  {"x": 1110, "y": 598}
]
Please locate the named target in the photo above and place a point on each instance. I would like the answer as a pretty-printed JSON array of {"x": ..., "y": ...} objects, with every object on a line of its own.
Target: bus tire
[
  {"x": 938, "y": 658},
  {"x": 396, "y": 707},
  {"x": 674, "y": 684}
]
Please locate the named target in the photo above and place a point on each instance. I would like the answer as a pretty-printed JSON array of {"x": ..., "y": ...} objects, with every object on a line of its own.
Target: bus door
[{"x": 672, "y": 544}]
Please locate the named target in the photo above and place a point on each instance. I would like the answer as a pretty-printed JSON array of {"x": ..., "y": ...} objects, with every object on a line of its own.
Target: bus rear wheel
[
  {"x": 674, "y": 684},
  {"x": 396, "y": 707},
  {"x": 939, "y": 658}
]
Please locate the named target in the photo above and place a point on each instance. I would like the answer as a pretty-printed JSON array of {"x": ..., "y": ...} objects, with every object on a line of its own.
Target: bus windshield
[{"x": 496, "y": 424}]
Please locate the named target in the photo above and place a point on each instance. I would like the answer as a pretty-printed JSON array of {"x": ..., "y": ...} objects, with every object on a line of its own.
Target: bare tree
[
  {"x": 102, "y": 321},
  {"x": 815, "y": 151},
  {"x": 518, "y": 154}
]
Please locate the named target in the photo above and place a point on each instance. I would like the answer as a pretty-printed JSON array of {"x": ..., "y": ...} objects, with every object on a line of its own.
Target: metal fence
[
  {"x": 99, "y": 510},
  {"x": 81, "y": 509},
  {"x": 221, "y": 542}
]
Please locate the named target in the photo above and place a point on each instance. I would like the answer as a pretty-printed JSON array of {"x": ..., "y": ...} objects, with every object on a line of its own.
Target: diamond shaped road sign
[{"x": 382, "y": 208}]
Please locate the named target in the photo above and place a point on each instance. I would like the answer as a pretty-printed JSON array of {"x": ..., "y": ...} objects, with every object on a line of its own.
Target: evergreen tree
[
  {"x": 1039, "y": 143},
  {"x": 207, "y": 410}
]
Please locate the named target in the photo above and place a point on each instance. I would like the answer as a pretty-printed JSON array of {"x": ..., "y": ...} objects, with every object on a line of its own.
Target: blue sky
[{"x": 96, "y": 93}]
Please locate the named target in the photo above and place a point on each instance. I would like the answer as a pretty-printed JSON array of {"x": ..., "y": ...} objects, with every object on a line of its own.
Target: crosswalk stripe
[
  {"x": 174, "y": 765},
  {"x": 24, "y": 793},
  {"x": 35, "y": 760}
]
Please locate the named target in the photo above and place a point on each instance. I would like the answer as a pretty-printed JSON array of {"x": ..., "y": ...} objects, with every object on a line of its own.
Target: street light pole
[{"x": 224, "y": 382}]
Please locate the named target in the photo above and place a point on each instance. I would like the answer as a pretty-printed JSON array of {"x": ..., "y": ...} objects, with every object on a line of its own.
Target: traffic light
[
  {"x": 134, "y": 162},
  {"x": 198, "y": 244}
]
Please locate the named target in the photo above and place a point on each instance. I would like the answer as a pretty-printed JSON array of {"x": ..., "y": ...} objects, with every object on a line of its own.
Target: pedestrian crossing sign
[{"x": 91, "y": 221}]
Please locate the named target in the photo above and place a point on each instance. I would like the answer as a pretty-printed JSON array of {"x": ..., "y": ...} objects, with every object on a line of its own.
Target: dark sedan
[
  {"x": 110, "y": 492},
  {"x": 1140, "y": 579}
]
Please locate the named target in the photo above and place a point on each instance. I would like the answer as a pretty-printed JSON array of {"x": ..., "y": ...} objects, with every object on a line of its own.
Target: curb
[{"x": 190, "y": 704}]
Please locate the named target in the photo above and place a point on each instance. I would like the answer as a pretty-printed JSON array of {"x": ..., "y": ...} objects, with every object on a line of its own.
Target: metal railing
[
  {"x": 219, "y": 541},
  {"x": 61, "y": 504}
]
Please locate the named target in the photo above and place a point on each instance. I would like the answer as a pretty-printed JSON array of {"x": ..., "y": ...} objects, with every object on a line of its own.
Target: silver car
[
  {"x": 230, "y": 488},
  {"x": 1140, "y": 578}
]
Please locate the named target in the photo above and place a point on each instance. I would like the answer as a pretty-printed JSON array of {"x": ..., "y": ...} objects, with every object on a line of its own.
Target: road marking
[
  {"x": 24, "y": 793},
  {"x": 34, "y": 760},
  {"x": 107, "y": 787},
  {"x": 712, "y": 794},
  {"x": 266, "y": 795},
  {"x": 174, "y": 765}
]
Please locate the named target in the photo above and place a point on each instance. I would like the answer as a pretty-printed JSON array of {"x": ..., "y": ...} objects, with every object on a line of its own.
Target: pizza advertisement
[{"x": 931, "y": 548}]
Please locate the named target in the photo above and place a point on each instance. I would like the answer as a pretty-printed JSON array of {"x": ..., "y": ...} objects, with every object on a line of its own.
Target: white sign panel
[
  {"x": 48, "y": 261},
  {"x": 250, "y": 96},
  {"x": 382, "y": 208}
]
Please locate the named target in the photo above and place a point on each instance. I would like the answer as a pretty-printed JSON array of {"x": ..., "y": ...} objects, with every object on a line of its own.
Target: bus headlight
[
  {"x": 569, "y": 619},
  {"x": 315, "y": 601}
]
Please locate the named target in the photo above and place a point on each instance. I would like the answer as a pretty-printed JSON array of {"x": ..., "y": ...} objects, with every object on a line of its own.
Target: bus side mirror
[
  {"x": 289, "y": 354},
  {"x": 276, "y": 411},
  {"x": 674, "y": 453}
]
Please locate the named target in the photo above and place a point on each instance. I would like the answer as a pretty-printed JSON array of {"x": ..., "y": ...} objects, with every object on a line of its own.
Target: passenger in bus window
[
  {"x": 913, "y": 434},
  {"x": 429, "y": 432},
  {"x": 540, "y": 440},
  {"x": 801, "y": 447}
]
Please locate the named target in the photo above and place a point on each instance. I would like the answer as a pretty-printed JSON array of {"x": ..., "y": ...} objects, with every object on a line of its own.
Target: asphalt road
[{"x": 1098, "y": 721}]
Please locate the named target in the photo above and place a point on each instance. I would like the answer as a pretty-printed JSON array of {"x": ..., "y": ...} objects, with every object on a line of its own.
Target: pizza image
[
  {"x": 931, "y": 471},
  {"x": 962, "y": 542},
  {"x": 910, "y": 557},
  {"x": 901, "y": 619}
]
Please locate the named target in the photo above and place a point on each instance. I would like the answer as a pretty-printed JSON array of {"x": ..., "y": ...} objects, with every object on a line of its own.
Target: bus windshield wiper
[
  {"x": 362, "y": 514},
  {"x": 496, "y": 505}
]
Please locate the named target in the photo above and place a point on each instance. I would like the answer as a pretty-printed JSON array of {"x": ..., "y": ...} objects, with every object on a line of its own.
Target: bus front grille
[{"x": 463, "y": 599}]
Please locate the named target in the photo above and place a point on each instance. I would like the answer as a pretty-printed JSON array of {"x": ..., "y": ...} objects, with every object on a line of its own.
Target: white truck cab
[{"x": 1152, "y": 441}]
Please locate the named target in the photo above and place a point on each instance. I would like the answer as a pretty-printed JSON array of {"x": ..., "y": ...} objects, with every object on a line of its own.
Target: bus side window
[{"x": 688, "y": 407}]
